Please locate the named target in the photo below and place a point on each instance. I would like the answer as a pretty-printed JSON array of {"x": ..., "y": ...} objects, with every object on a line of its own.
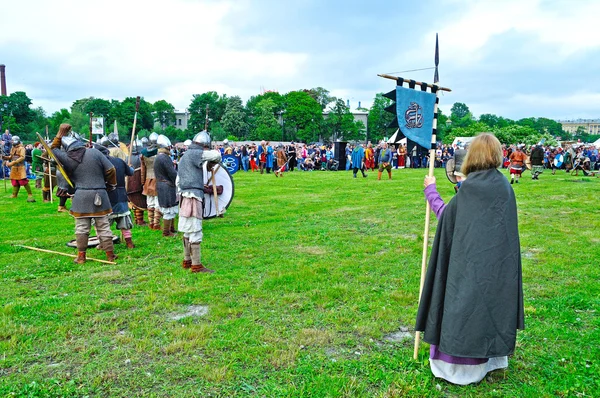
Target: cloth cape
[{"x": 472, "y": 300}]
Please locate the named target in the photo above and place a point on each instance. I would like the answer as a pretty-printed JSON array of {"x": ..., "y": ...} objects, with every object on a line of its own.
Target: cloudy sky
[{"x": 513, "y": 58}]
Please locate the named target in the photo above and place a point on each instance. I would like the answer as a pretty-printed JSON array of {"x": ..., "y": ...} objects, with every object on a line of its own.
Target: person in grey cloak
[
  {"x": 472, "y": 300},
  {"x": 121, "y": 215},
  {"x": 93, "y": 175},
  {"x": 191, "y": 187},
  {"x": 165, "y": 185}
]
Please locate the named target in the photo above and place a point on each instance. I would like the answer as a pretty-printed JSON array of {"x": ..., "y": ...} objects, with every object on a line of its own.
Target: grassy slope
[{"x": 312, "y": 272}]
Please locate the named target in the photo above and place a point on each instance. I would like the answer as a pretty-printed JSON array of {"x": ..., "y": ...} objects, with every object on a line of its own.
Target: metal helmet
[
  {"x": 15, "y": 140},
  {"x": 187, "y": 142},
  {"x": 114, "y": 138},
  {"x": 137, "y": 145},
  {"x": 68, "y": 142},
  {"x": 202, "y": 138},
  {"x": 144, "y": 141},
  {"x": 225, "y": 141},
  {"x": 104, "y": 141},
  {"x": 163, "y": 141},
  {"x": 153, "y": 138}
]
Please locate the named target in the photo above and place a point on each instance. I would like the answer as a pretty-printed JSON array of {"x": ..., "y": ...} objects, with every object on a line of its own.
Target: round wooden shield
[
  {"x": 224, "y": 179},
  {"x": 93, "y": 241},
  {"x": 528, "y": 163},
  {"x": 450, "y": 166}
]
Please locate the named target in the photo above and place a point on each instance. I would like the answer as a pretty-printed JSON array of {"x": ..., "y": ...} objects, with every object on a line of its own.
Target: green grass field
[{"x": 314, "y": 274}]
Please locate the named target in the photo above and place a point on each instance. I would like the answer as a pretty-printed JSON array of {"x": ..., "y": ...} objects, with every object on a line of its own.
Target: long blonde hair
[{"x": 485, "y": 152}]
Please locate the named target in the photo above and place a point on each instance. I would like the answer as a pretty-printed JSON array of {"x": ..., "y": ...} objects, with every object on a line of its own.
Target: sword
[{"x": 59, "y": 165}]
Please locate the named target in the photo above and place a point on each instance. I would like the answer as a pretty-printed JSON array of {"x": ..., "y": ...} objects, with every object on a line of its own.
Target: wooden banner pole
[{"x": 427, "y": 218}]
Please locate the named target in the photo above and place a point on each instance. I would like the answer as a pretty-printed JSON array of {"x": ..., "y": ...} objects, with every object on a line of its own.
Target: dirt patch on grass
[
  {"x": 314, "y": 250},
  {"x": 192, "y": 310},
  {"x": 111, "y": 274},
  {"x": 399, "y": 336}
]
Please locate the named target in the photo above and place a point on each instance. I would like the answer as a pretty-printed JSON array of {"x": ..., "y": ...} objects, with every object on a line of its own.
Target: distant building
[
  {"x": 181, "y": 119},
  {"x": 591, "y": 126}
]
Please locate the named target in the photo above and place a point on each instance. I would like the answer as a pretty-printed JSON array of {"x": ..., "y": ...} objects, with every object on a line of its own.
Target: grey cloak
[{"x": 472, "y": 300}]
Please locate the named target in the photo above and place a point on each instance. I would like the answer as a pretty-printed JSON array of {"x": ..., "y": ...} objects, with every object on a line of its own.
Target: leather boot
[
  {"x": 80, "y": 258},
  {"x": 151, "y": 218},
  {"x": 173, "y": 229},
  {"x": 157, "y": 218},
  {"x": 111, "y": 256},
  {"x": 196, "y": 264},
  {"x": 82, "y": 244},
  {"x": 107, "y": 245},
  {"x": 62, "y": 209},
  {"x": 187, "y": 254},
  {"x": 167, "y": 228},
  {"x": 379, "y": 175},
  {"x": 129, "y": 243},
  {"x": 201, "y": 268}
]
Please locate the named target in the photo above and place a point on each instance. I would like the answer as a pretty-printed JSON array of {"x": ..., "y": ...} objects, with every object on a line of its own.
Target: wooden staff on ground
[{"x": 63, "y": 254}]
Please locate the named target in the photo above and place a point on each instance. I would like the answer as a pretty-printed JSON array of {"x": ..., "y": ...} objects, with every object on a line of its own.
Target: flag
[{"x": 415, "y": 113}]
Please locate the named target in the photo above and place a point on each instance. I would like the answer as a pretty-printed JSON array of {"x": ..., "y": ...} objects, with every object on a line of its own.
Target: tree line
[{"x": 294, "y": 116}]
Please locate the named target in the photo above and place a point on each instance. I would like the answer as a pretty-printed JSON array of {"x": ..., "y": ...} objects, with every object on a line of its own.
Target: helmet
[
  {"x": 225, "y": 141},
  {"x": 104, "y": 141},
  {"x": 163, "y": 141},
  {"x": 15, "y": 140},
  {"x": 137, "y": 145},
  {"x": 68, "y": 142},
  {"x": 144, "y": 141},
  {"x": 202, "y": 138},
  {"x": 114, "y": 138},
  {"x": 187, "y": 142},
  {"x": 459, "y": 157},
  {"x": 153, "y": 138}
]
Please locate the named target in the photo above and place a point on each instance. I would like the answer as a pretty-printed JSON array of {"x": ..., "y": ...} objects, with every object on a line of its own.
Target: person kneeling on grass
[{"x": 472, "y": 301}]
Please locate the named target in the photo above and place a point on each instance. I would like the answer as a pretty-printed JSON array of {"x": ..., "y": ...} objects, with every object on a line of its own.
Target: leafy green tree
[
  {"x": 267, "y": 127},
  {"x": 460, "y": 115},
  {"x": 164, "y": 114},
  {"x": 125, "y": 114},
  {"x": 197, "y": 109},
  {"x": 321, "y": 95},
  {"x": 100, "y": 107},
  {"x": 234, "y": 118},
  {"x": 56, "y": 119},
  {"x": 340, "y": 123},
  {"x": 303, "y": 116},
  {"x": 378, "y": 119}
]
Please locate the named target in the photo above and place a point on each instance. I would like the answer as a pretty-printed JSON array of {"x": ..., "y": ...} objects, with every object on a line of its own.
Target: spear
[
  {"x": 63, "y": 254},
  {"x": 137, "y": 108}
]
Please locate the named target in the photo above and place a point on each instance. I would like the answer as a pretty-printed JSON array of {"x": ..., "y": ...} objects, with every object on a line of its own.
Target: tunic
[
  {"x": 91, "y": 176},
  {"x": 165, "y": 180}
]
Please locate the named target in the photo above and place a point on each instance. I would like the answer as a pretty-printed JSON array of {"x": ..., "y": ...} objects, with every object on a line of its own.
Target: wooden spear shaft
[
  {"x": 426, "y": 232},
  {"x": 64, "y": 254},
  {"x": 214, "y": 184}
]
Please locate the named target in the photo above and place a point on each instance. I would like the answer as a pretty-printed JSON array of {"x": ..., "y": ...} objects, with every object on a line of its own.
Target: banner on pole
[
  {"x": 415, "y": 111},
  {"x": 98, "y": 125}
]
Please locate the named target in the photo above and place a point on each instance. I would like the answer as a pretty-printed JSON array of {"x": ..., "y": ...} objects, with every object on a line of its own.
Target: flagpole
[{"x": 427, "y": 219}]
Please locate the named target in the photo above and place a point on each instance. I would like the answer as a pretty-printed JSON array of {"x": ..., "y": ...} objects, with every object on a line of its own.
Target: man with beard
[
  {"x": 165, "y": 185},
  {"x": 18, "y": 175},
  {"x": 92, "y": 175},
  {"x": 191, "y": 186}
]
